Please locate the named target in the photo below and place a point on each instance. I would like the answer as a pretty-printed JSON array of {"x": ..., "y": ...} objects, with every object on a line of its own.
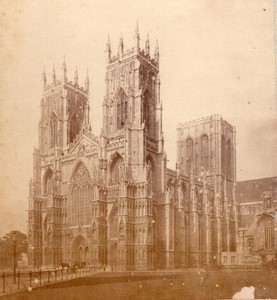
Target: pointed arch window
[
  {"x": 229, "y": 159},
  {"x": 53, "y": 132},
  {"x": 79, "y": 196},
  {"x": 122, "y": 109},
  {"x": 151, "y": 176},
  {"x": 204, "y": 152},
  {"x": 145, "y": 107},
  {"x": 118, "y": 116},
  {"x": 268, "y": 233},
  {"x": 74, "y": 127},
  {"x": 116, "y": 170},
  {"x": 48, "y": 182},
  {"x": 223, "y": 154},
  {"x": 189, "y": 150}
]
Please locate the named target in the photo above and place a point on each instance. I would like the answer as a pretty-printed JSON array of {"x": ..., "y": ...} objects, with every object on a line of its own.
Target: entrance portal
[
  {"x": 113, "y": 254},
  {"x": 80, "y": 251}
]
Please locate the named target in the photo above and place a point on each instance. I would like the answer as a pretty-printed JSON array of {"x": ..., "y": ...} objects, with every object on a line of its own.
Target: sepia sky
[{"x": 217, "y": 56}]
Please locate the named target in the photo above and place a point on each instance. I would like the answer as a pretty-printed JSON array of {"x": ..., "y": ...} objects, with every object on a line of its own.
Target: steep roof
[{"x": 251, "y": 190}]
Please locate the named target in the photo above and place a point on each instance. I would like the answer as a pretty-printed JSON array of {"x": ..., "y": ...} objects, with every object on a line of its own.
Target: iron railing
[{"x": 35, "y": 278}]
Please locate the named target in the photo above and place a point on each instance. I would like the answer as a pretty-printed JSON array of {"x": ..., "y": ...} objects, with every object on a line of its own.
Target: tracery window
[
  {"x": 223, "y": 154},
  {"x": 204, "y": 152},
  {"x": 266, "y": 233},
  {"x": 48, "y": 182},
  {"x": 189, "y": 146},
  {"x": 122, "y": 109},
  {"x": 229, "y": 159},
  {"x": 74, "y": 127},
  {"x": 116, "y": 170},
  {"x": 145, "y": 107},
  {"x": 79, "y": 197},
  {"x": 150, "y": 176},
  {"x": 53, "y": 132}
]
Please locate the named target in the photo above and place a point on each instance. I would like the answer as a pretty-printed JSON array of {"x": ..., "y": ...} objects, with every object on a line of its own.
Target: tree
[{"x": 7, "y": 248}]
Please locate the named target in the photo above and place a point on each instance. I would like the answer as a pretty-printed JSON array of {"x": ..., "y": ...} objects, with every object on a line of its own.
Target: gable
[{"x": 84, "y": 144}]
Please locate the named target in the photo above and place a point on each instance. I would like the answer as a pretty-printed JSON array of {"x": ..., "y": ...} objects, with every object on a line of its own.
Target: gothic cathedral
[{"x": 111, "y": 200}]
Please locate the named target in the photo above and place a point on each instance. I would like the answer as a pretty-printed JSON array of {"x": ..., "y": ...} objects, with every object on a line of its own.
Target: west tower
[
  {"x": 132, "y": 131},
  {"x": 64, "y": 116}
]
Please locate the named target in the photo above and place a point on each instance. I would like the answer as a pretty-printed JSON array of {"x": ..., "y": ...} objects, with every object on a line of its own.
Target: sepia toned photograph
[{"x": 138, "y": 149}]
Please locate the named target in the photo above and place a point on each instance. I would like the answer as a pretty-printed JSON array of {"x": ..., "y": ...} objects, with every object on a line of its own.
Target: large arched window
[
  {"x": 266, "y": 233},
  {"x": 145, "y": 118},
  {"x": 48, "y": 182},
  {"x": 116, "y": 170},
  {"x": 189, "y": 158},
  {"x": 229, "y": 159},
  {"x": 53, "y": 131},
  {"x": 80, "y": 193},
  {"x": 74, "y": 127},
  {"x": 122, "y": 108},
  {"x": 118, "y": 116},
  {"x": 223, "y": 154},
  {"x": 204, "y": 152},
  {"x": 151, "y": 179}
]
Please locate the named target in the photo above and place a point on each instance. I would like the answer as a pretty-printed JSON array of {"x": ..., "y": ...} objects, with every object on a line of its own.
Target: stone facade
[
  {"x": 257, "y": 241},
  {"x": 111, "y": 200}
]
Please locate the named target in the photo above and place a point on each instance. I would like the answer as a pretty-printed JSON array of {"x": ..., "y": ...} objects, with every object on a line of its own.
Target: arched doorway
[
  {"x": 80, "y": 251},
  {"x": 113, "y": 254}
]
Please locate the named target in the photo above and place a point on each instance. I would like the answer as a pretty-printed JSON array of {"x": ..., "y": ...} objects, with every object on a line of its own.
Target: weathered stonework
[{"x": 111, "y": 200}]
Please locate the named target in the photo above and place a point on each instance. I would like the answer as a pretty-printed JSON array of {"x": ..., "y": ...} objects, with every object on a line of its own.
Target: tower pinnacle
[
  {"x": 44, "y": 78},
  {"x": 108, "y": 50},
  {"x": 147, "y": 46},
  {"x": 157, "y": 53},
  {"x": 64, "y": 69},
  {"x": 121, "y": 46},
  {"x": 137, "y": 37},
  {"x": 76, "y": 77},
  {"x": 87, "y": 83}
]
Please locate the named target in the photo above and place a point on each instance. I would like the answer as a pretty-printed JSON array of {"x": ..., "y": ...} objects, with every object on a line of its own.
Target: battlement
[
  {"x": 135, "y": 50},
  {"x": 214, "y": 117},
  {"x": 68, "y": 84},
  {"x": 56, "y": 83}
]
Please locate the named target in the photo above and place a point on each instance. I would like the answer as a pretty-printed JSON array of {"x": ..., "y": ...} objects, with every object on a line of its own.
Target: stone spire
[
  {"x": 76, "y": 77},
  {"x": 44, "y": 78},
  {"x": 147, "y": 46}
]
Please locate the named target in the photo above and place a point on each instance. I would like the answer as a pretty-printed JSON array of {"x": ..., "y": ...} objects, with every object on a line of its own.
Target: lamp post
[{"x": 14, "y": 255}]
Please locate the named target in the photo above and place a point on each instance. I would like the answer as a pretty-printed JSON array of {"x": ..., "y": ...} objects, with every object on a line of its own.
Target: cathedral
[{"x": 110, "y": 200}]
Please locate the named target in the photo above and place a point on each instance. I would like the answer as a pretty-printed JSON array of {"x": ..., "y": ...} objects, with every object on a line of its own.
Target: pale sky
[{"x": 217, "y": 56}]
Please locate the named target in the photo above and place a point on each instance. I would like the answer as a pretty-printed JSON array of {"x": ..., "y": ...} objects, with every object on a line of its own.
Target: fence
[{"x": 11, "y": 282}]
